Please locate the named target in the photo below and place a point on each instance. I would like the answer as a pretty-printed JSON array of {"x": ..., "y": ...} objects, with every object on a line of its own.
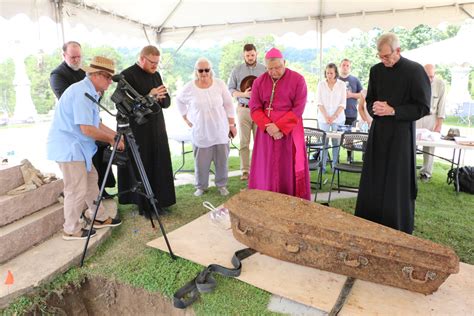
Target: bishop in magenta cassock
[{"x": 279, "y": 161}]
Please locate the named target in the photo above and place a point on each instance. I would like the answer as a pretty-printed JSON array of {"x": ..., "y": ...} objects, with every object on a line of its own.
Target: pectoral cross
[{"x": 269, "y": 107}]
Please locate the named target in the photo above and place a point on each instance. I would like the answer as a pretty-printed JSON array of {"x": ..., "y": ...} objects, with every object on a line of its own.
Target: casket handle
[
  {"x": 292, "y": 248},
  {"x": 242, "y": 232},
  {"x": 354, "y": 262},
  {"x": 430, "y": 275}
]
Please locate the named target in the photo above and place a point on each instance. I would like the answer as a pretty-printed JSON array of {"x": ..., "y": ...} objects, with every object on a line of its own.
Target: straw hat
[{"x": 99, "y": 63}]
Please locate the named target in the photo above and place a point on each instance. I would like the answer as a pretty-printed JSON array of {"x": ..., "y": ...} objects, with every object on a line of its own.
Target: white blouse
[
  {"x": 207, "y": 109},
  {"x": 331, "y": 100}
]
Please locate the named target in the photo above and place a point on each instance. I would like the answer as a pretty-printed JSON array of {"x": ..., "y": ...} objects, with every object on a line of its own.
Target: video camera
[{"x": 129, "y": 102}]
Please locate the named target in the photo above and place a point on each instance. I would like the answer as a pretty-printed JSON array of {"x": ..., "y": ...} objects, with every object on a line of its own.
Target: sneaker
[
  {"x": 223, "y": 191},
  {"x": 82, "y": 234},
  {"x": 109, "y": 222},
  {"x": 245, "y": 176},
  {"x": 198, "y": 192},
  {"x": 424, "y": 178}
]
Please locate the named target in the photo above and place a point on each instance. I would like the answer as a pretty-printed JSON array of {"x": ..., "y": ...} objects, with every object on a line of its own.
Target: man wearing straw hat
[{"x": 71, "y": 143}]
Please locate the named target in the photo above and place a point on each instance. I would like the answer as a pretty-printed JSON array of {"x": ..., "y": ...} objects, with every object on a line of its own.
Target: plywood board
[{"x": 204, "y": 242}]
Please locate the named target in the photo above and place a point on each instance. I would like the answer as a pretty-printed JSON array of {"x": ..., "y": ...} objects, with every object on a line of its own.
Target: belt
[{"x": 243, "y": 105}]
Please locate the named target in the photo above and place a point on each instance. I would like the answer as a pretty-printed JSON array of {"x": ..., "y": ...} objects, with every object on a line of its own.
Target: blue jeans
[{"x": 335, "y": 144}]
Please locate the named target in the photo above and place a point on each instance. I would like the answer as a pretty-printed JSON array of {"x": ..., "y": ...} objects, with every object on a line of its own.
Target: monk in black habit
[
  {"x": 399, "y": 93},
  {"x": 151, "y": 137},
  {"x": 66, "y": 74}
]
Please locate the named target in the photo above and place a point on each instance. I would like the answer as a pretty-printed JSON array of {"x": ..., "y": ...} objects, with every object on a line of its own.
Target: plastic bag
[{"x": 219, "y": 216}]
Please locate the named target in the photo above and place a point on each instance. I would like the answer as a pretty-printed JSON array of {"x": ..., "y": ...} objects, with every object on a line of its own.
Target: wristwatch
[{"x": 233, "y": 125}]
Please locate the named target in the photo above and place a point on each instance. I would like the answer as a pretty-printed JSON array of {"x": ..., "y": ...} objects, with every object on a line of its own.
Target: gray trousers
[
  {"x": 427, "y": 122},
  {"x": 203, "y": 157}
]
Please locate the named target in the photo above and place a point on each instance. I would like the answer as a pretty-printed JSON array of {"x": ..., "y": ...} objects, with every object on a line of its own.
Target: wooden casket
[{"x": 310, "y": 234}]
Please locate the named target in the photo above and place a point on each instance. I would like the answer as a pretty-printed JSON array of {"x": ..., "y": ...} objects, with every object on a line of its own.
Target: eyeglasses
[
  {"x": 154, "y": 63},
  {"x": 73, "y": 57},
  {"x": 107, "y": 76},
  {"x": 203, "y": 70},
  {"x": 386, "y": 56}
]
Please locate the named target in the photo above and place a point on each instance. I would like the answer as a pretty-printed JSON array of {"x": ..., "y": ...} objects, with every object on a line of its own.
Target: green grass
[
  {"x": 441, "y": 216},
  {"x": 457, "y": 121}
]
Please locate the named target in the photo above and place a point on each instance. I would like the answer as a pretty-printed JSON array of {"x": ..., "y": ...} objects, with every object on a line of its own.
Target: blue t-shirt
[
  {"x": 66, "y": 142},
  {"x": 352, "y": 85}
]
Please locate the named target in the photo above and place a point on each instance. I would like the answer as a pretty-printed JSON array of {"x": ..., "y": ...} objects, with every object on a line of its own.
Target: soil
[{"x": 98, "y": 296}]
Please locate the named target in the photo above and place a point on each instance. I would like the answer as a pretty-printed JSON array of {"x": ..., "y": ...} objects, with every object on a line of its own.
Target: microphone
[{"x": 117, "y": 77}]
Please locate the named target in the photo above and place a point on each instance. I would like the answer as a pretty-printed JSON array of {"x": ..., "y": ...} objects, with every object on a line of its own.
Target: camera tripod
[{"x": 123, "y": 129}]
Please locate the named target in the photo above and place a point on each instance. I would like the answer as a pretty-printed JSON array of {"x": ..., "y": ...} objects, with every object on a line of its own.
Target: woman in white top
[
  {"x": 206, "y": 106},
  {"x": 331, "y": 102}
]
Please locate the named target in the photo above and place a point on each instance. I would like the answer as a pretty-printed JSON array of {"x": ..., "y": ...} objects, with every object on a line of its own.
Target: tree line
[{"x": 177, "y": 67}]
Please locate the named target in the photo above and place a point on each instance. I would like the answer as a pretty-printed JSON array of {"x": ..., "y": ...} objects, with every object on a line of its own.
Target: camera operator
[
  {"x": 67, "y": 73},
  {"x": 151, "y": 137},
  {"x": 71, "y": 143}
]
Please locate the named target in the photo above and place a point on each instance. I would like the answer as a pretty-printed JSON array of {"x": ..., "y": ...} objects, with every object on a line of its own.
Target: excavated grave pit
[{"x": 99, "y": 296}]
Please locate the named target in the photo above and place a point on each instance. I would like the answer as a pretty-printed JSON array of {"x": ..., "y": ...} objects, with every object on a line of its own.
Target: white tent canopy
[{"x": 176, "y": 20}]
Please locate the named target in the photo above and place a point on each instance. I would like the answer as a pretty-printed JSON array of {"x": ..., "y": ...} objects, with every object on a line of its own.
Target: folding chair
[
  {"x": 315, "y": 142},
  {"x": 356, "y": 142}
]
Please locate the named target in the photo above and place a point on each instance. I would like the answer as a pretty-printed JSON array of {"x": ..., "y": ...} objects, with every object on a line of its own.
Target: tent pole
[
  {"x": 320, "y": 40},
  {"x": 58, "y": 15}
]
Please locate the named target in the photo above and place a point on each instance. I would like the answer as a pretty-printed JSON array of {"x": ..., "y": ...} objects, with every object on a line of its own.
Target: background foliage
[{"x": 177, "y": 67}]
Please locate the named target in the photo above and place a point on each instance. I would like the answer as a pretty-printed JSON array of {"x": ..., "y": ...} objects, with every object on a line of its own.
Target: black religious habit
[
  {"x": 152, "y": 142},
  {"x": 388, "y": 189},
  {"x": 60, "y": 79}
]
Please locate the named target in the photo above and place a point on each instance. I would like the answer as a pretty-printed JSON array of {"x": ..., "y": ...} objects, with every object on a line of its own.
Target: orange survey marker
[{"x": 9, "y": 280}]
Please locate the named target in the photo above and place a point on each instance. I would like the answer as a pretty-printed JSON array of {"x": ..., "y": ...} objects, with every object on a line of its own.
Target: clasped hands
[
  {"x": 159, "y": 92},
  {"x": 273, "y": 131},
  {"x": 382, "y": 108}
]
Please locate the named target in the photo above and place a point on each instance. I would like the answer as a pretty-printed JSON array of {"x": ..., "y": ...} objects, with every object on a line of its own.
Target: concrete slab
[
  {"x": 10, "y": 178},
  {"x": 44, "y": 262},
  {"x": 14, "y": 207},
  {"x": 23, "y": 234}
]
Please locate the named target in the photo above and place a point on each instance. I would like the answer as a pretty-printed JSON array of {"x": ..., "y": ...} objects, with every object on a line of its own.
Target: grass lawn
[{"x": 441, "y": 216}]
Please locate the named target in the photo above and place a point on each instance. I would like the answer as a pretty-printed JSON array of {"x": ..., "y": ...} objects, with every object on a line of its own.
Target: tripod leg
[
  {"x": 132, "y": 173},
  {"x": 99, "y": 198},
  {"x": 130, "y": 139}
]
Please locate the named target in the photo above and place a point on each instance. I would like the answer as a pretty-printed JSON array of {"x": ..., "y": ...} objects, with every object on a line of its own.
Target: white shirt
[
  {"x": 331, "y": 100},
  {"x": 207, "y": 109}
]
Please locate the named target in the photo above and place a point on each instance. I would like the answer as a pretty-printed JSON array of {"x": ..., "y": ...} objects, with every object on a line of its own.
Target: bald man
[{"x": 434, "y": 121}]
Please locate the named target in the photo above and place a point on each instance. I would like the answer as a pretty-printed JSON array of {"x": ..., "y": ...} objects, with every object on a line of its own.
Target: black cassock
[
  {"x": 388, "y": 189},
  {"x": 152, "y": 142}
]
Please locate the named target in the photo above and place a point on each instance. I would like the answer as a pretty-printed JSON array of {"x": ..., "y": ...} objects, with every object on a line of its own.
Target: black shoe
[
  {"x": 82, "y": 234},
  {"x": 109, "y": 222}
]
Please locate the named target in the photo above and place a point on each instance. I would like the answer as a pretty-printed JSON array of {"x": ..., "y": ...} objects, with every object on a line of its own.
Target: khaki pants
[
  {"x": 247, "y": 127},
  {"x": 79, "y": 186},
  {"x": 427, "y": 122}
]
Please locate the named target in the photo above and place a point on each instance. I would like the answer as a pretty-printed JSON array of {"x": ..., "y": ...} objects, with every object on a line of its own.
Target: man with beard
[
  {"x": 246, "y": 125},
  {"x": 66, "y": 74},
  {"x": 399, "y": 94},
  {"x": 151, "y": 137}
]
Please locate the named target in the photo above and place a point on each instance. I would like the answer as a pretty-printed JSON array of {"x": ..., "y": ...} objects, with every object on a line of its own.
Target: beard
[
  {"x": 251, "y": 64},
  {"x": 74, "y": 67}
]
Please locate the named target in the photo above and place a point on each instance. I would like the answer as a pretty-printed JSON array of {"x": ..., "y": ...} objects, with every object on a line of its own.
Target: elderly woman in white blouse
[
  {"x": 331, "y": 102},
  {"x": 206, "y": 106}
]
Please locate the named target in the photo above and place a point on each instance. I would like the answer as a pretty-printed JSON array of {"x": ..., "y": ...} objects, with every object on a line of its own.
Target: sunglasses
[{"x": 203, "y": 70}]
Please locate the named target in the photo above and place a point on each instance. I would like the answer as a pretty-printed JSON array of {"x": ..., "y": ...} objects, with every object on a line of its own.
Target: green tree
[
  {"x": 7, "y": 91},
  {"x": 38, "y": 68},
  {"x": 232, "y": 53}
]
